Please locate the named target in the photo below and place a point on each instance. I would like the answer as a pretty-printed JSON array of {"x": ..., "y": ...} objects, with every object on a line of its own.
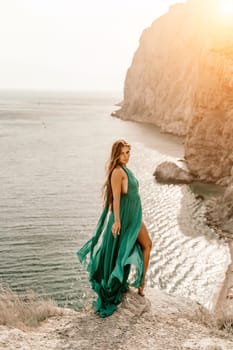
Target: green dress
[{"x": 110, "y": 258}]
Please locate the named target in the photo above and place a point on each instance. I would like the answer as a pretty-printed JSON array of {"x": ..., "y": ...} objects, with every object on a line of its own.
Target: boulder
[{"x": 169, "y": 172}]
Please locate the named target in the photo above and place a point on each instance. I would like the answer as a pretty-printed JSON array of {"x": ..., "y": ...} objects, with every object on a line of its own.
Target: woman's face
[{"x": 124, "y": 156}]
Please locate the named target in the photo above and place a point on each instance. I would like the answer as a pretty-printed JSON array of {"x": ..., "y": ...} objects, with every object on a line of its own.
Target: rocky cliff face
[
  {"x": 161, "y": 83},
  {"x": 209, "y": 141},
  {"x": 181, "y": 79}
]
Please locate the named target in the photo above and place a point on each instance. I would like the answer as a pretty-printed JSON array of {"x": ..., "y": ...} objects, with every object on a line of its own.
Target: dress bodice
[{"x": 133, "y": 184}]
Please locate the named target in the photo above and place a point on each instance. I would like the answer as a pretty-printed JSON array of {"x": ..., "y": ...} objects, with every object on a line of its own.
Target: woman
[{"x": 121, "y": 238}]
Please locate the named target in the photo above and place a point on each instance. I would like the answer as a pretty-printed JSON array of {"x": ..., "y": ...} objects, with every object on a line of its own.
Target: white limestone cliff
[{"x": 181, "y": 79}]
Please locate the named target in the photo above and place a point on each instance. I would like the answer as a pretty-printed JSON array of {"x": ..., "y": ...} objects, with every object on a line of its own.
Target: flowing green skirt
[{"x": 108, "y": 259}]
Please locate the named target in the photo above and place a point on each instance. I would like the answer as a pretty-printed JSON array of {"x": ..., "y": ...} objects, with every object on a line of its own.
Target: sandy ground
[{"x": 158, "y": 321}]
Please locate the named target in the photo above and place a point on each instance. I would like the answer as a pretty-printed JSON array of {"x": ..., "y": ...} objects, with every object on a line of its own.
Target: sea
[{"x": 53, "y": 151}]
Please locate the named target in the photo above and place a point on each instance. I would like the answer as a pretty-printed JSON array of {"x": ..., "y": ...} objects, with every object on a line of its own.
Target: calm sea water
[{"x": 53, "y": 149}]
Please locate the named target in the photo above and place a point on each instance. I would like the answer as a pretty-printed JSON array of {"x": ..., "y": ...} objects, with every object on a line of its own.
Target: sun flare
[{"x": 226, "y": 7}]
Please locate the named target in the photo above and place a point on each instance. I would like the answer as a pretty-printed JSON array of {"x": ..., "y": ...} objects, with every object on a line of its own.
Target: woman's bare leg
[{"x": 145, "y": 242}]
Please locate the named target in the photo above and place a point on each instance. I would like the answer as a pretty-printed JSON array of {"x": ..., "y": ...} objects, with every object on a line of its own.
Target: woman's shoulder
[{"x": 118, "y": 171}]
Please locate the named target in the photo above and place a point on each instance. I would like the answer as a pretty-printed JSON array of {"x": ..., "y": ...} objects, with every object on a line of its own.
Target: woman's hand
[{"x": 116, "y": 227}]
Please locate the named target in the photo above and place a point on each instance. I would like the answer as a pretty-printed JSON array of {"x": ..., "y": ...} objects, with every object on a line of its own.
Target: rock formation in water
[
  {"x": 181, "y": 79},
  {"x": 169, "y": 172}
]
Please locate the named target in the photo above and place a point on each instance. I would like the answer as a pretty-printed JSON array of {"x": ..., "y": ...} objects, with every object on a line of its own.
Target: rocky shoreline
[
  {"x": 181, "y": 81},
  {"x": 219, "y": 215}
]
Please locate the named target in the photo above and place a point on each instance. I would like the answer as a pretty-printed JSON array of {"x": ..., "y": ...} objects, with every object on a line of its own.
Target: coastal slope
[{"x": 139, "y": 323}]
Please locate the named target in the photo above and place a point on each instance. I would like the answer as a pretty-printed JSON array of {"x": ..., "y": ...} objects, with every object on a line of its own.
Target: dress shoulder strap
[{"x": 126, "y": 170}]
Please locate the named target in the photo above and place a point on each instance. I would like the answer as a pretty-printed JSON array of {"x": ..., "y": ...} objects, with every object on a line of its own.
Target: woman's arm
[{"x": 116, "y": 180}]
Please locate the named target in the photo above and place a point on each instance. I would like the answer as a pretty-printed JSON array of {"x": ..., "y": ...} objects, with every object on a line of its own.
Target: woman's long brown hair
[{"x": 112, "y": 163}]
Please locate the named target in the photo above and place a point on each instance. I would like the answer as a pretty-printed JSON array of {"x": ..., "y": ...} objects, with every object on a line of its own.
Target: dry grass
[
  {"x": 204, "y": 317},
  {"x": 25, "y": 312},
  {"x": 214, "y": 321},
  {"x": 228, "y": 326},
  {"x": 225, "y": 323}
]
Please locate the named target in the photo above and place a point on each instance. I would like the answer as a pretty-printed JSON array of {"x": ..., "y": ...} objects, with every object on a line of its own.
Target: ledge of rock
[
  {"x": 169, "y": 172},
  {"x": 158, "y": 321}
]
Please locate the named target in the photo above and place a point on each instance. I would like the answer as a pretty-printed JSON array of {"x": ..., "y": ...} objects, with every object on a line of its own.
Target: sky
[{"x": 72, "y": 45}]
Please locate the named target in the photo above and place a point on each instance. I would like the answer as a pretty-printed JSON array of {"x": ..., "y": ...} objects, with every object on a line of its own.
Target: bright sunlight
[
  {"x": 226, "y": 7},
  {"x": 222, "y": 11}
]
